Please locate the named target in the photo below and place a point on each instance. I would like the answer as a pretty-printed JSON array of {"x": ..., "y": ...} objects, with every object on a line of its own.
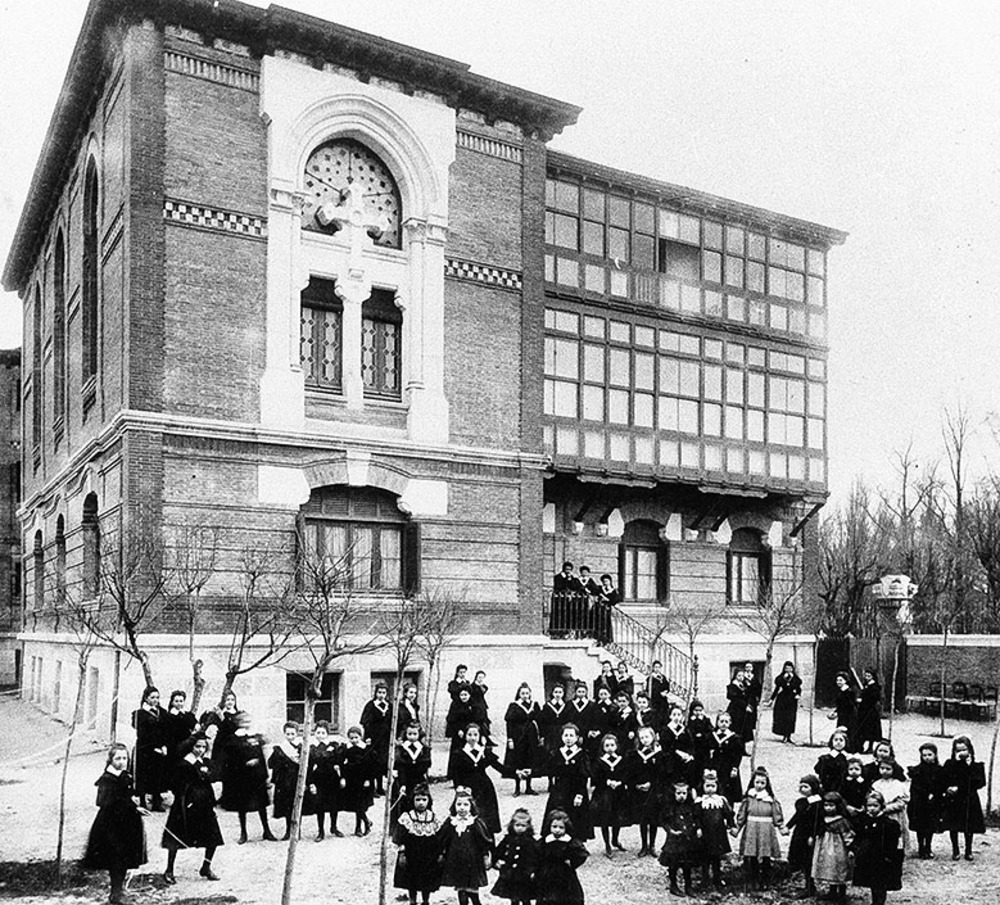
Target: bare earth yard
[{"x": 346, "y": 870}]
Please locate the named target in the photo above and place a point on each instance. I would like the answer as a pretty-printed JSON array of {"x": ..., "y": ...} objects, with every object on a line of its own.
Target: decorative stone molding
[
  {"x": 490, "y": 146},
  {"x": 210, "y": 71},
  {"x": 187, "y": 214},
  {"x": 482, "y": 273}
]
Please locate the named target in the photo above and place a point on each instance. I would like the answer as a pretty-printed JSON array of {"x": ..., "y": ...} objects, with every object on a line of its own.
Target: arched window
[
  {"x": 38, "y": 572},
  {"x": 360, "y": 534},
  {"x": 60, "y": 560},
  {"x": 59, "y": 338},
  {"x": 321, "y": 343},
  {"x": 344, "y": 162},
  {"x": 89, "y": 305},
  {"x": 91, "y": 547},
  {"x": 643, "y": 563},
  {"x": 36, "y": 370},
  {"x": 749, "y": 567}
]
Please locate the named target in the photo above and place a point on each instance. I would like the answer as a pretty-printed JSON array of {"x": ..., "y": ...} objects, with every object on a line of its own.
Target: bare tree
[
  {"x": 193, "y": 558},
  {"x": 335, "y": 624},
  {"x": 983, "y": 525},
  {"x": 776, "y": 613},
  {"x": 690, "y": 621},
  {"x": 440, "y": 625}
]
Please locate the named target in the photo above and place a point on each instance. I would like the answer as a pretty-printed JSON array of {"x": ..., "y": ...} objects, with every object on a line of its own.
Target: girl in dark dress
[
  {"x": 606, "y": 679},
  {"x": 677, "y": 744},
  {"x": 408, "y": 710},
  {"x": 560, "y": 856},
  {"x": 181, "y": 725},
  {"x": 869, "y": 712},
  {"x": 805, "y": 826},
  {"x": 962, "y": 776},
  {"x": 471, "y": 762},
  {"x": 727, "y": 753},
  {"x": 658, "y": 689},
  {"x": 883, "y": 750},
  {"x": 460, "y": 714},
  {"x": 845, "y": 712},
  {"x": 357, "y": 771},
  {"x": 284, "y": 765},
  {"x": 324, "y": 780},
  {"x": 609, "y": 807},
  {"x": 152, "y": 744},
  {"x": 581, "y": 712},
  {"x": 701, "y": 732},
  {"x": 785, "y": 698},
  {"x": 924, "y": 808},
  {"x": 646, "y": 776},
  {"x": 522, "y": 754},
  {"x": 855, "y": 788},
  {"x": 603, "y": 719},
  {"x": 831, "y": 768},
  {"x": 244, "y": 778},
  {"x": 191, "y": 822},
  {"x": 460, "y": 681},
  {"x": 569, "y": 769},
  {"x": 623, "y": 683},
  {"x": 417, "y": 832},
  {"x": 716, "y": 818},
  {"x": 740, "y": 709},
  {"x": 117, "y": 842},
  {"x": 516, "y": 857},
  {"x": 681, "y": 848},
  {"x": 219, "y": 724},
  {"x": 554, "y": 714},
  {"x": 410, "y": 768},
  {"x": 376, "y": 720},
  {"x": 466, "y": 843},
  {"x": 480, "y": 706},
  {"x": 878, "y": 861}
]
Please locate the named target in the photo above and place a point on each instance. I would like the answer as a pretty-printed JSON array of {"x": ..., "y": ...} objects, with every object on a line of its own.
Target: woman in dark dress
[
  {"x": 606, "y": 679},
  {"x": 962, "y": 776},
  {"x": 469, "y": 768},
  {"x": 924, "y": 806},
  {"x": 244, "y": 777},
  {"x": 460, "y": 714},
  {"x": 219, "y": 724},
  {"x": 739, "y": 708},
  {"x": 608, "y": 598},
  {"x": 869, "y": 712},
  {"x": 376, "y": 720},
  {"x": 569, "y": 769},
  {"x": 117, "y": 842},
  {"x": 192, "y": 822},
  {"x": 324, "y": 779},
  {"x": 460, "y": 681},
  {"x": 522, "y": 720},
  {"x": 846, "y": 710},
  {"x": 284, "y": 765},
  {"x": 480, "y": 706},
  {"x": 152, "y": 742},
  {"x": 785, "y": 698},
  {"x": 555, "y": 714},
  {"x": 181, "y": 725},
  {"x": 408, "y": 710}
]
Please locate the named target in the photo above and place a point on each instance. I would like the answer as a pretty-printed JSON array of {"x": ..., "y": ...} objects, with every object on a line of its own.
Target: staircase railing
[{"x": 571, "y": 615}]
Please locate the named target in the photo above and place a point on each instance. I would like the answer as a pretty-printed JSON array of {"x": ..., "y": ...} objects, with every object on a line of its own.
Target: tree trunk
[
  {"x": 989, "y": 773},
  {"x": 115, "y": 691},
  {"x": 77, "y": 717},
  {"x": 812, "y": 703},
  {"x": 147, "y": 669},
  {"x": 756, "y": 729},
  {"x": 198, "y": 682},
  {"x": 390, "y": 792},
  {"x": 434, "y": 668},
  {"x": 892, "y": 689},
  {"x": 300, "y": 793},
  {"x": 944, "y": 668}
]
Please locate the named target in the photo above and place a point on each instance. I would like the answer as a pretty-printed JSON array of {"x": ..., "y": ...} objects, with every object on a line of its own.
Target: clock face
[{"x": 335, "y": 165}]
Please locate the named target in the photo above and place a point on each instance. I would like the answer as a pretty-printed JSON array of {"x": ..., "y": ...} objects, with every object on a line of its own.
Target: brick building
[
  {"x": 280, "y": 274},
  {"x": 10, "y": 495}
]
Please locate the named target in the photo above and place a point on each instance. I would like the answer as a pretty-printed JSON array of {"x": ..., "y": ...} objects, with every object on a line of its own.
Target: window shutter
[
  {"x": 663, "y": 573},
  {"x": 626, "y": 593},
  {"x": 411, "y": 558},
  {"x": 765, "y": 570},
  {"x": 729, "y": 577},
  {"x": 300, "y": 550}
]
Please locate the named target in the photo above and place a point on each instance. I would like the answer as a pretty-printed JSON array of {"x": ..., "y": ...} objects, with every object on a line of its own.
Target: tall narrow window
[
  {"x": 60, "y": 560},
  {"x": 59, "y": 339},
  {"x": 38, "y": 572},
  {"x": 749, "y": 567},
  {"x": 642, "y": 563},
  {"x": 381, "y": 346},
  {"x": 89, "y": 306},
  {"x": 91, "y": 547},
  {"x": 36, "y": 370},
  {"x": 321, "y": 335}
]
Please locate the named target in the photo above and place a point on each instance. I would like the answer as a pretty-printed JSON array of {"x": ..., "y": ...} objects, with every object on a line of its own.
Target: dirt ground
[{"x": 346, "y": 870}]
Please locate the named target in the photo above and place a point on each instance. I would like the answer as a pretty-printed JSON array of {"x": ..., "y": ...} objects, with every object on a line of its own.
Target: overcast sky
[{"x": 881, "y": 119}]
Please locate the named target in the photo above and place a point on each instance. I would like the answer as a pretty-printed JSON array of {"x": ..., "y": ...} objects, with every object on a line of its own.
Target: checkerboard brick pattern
[
  {"x": 482, "y": 273},
  {"x": 209, "y": 218}
]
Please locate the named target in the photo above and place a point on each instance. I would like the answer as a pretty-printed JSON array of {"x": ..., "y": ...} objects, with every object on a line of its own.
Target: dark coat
[
  {"x": 804, "y": 824},
  {"x": 152, "y": 743},
  {"x": 703, "y": 741},
  {"x": 640, "y": 769},
  {"x": 855, "y": 791},
  {"x": 469, "y": 770},
  {"x": 679, "y": 749},
  {"x": 284, "y": 776},
  {"x": 725, "y": 760},
  {"x": 480, "y": 708},
  {"x": 741, "y": 709},
  {"x": 681, "y": 821},
  {"x": 878, "y": 859},
  {"x": 324, "y": 774},
  {"x": 658, "y": 689},
  {"x": 603, "y": 719},
  {"x": 418, "y": 865},
  {"x": 411, "y": 767},
  {"x": 869, "y": 727},
  {"x": 557, "y": 881},
  {"x": 405, "y": 715},
  {"x": 244, "y": 775},
  {"x": 846, "y": 708},
  {"x": 377, "y": 724},
  {"x": 551, "y": 722},
  {"x": 117, "y": 840},
  {"x": 832, "y": 770},
  {"x": 465, "y": 853},
  {"x": 609, "y": 807},
  {"x": 358, "y": 770},
  {"x": 925, "y": 808},
  {"x": 454, "y": 687},
  {"x": 516, "y": 857},
  {"x": 570, "y": 773},
  {"x": 962, "y": 809},
  {"x": 179, "y": 728},
  {"x": 785, "y": 698},
  {"x": 459, "y": 716},
  {"x": 716, "y": 817},
  {"x": 583, "y": 719},
  {"x": 191, "y": 822},
  {"x": 522, "y": 736}
]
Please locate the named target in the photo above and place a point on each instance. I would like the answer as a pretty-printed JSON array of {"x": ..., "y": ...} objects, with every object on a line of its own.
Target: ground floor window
[
  {"x": 327, "y": 705},
  {"x": 749, "y": 567}
]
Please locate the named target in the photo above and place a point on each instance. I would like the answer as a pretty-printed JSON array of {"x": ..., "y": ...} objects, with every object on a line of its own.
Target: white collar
[
  {"x": 569, "y": 753},
  {"x": 560, "y": 708},
  {"x": 713, "y": 801},
  {"x": 649, "y": 756},
  {"x": 579, "y": 705},
  {"x": 526, "y": 706},
  {"x": 812, "y": 799},
  {"x": 760, "y": 796},
  {"x": 291, "y": 751},
  {"x": 475, "y": 753},
  {"x": 191, "y": 759},
  {"x": 414, "y": 748},
  {"x": 551, "y": 838},
  {"x": 611, "y": 761},
  {"x": 382, "y": 705},
  {"x": 461, "y": 824},
  {"x": 113, "y": 771}
]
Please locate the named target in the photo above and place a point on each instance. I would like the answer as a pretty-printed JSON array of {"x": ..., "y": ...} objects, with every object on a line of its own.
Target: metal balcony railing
[{"x": 572, "y": 615}]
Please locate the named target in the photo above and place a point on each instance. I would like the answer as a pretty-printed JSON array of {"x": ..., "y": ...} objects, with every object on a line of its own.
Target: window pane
[
  {"x": 593, "y": 363},
  {"x": 689, "y": 379},
  {"x": 593, "y": 238},
  {"x": 734, "y": 386},
  {"x": 618, "y": 447},
  {"x": 567, "y": 272},
  {"x": 566, "y": 231},
  {"x": 643, "y": 371},
  {"x": 713, "y": 303},
  {"x": 711, "y": 266},
  {"x": 734, "y": 460},
  {"x": 390, "y": 548},
  {"x": 620, "y": 332},
  {"x": 566, "y": 197},
  {"x": 565, "y": 399},
  {"x": 620, "y": 370},
  {"x": 593, "y": 403},
  {"x": 815, "y": 433},
  {"x": 670, "y": 371},
  {"x": 734, "y": 271},
  {"x": 816, "y": 262},
  {"x": 643, "y": 403},
  {"x": 618, "y": 406},
  {"x": 643, "y": 214},
  {"x": 736, "y": 309},
  {"x": 618, "y": 211},
  {"x": 645, "y": 336},
  {"x": 687, "y": 411},
  {"x": 645, "y": 567},
  {"x": 690, "y": 299},
  {"x": 362, "y": 538},
  {"x": 618, "y": 244},
  {"x": 734, "y": 422},
  {"x": 713, "y": 234},
  {"x": 712, "y": 419},
  {"x": 667, "y": 415},
  {"x": 644, "y": 252},
  {"x": 593, "y": 444},
  {"x": 817, "y": 398},
  {"x": 755, "y": 426},
  {"x": 594, "y": 326},
  {"x": 755, "y": 389},
  {"x": 713, "y": 382},
  {"x": 593, "y": 204},
  {"x": 755, "y": 277},
  {"x": 669, "y": 224},
  {"x": 679, "y": 260},
  {"x": 689, "y": 229},
  {"x": 756, "y": 245}
]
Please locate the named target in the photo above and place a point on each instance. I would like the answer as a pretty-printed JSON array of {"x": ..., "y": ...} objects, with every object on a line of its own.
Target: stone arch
[
  {"x": 380, "y": 128},
  {"x": 753, "y": 520},
  {"x": 643, "y": 511},
  {"x": 358, "y": 471}
]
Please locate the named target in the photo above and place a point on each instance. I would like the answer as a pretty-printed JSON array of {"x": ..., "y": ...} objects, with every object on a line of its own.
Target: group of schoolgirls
[
  {"x": 853, "y": 819},
  {"x": 458, "y": 850}
]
